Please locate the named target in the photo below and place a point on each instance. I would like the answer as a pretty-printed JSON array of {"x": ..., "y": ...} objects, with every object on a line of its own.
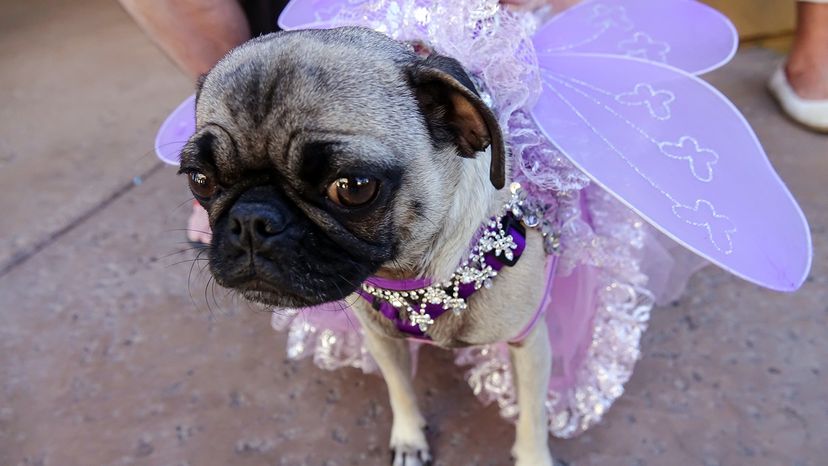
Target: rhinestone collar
[{"x": 413, "y": 305}]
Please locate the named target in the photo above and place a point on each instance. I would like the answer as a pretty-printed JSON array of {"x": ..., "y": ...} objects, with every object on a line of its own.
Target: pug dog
[{"x": 324, "y": 157}]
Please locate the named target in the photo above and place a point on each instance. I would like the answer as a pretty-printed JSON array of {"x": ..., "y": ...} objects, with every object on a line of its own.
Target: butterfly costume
[{"x": 636, "y": 171}]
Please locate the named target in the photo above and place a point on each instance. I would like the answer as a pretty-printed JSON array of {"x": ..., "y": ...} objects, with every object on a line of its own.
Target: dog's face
[{"x": 323, "y": 156}]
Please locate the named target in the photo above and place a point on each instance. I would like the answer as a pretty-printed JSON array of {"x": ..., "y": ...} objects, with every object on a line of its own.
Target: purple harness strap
[
  {"x": 551, "y": 268},
  {"x": 436, "y": 310}
]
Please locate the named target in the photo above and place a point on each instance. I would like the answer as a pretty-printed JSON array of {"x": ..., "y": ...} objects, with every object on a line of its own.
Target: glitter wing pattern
[
  {"x": 663, "y": 32},
  {"x": 664, "y": 142},
  {"x": 678, "y": 153}
]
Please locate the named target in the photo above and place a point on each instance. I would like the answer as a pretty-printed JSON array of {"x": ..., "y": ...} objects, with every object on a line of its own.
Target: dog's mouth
[{"x": 258, "y": 289}]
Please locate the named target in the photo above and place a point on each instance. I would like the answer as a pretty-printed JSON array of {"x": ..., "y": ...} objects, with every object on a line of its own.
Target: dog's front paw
[
  {"x": 407, "y": 456},
  {"x": 408, "y": 445}
]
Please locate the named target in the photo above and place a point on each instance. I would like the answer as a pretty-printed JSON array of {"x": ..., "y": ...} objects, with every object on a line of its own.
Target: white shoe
[{"x": 811, "y": 113}]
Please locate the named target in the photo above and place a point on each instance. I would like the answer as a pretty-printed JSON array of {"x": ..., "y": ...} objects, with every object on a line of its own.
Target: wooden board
[{"x": 759, "y": 18}]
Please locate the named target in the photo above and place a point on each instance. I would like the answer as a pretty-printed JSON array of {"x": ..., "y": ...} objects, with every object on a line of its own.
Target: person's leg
[
  {"x": 801, "y": 85},
  {"x": 807, "y": 66},
  {"x": 194, "y": 33}
]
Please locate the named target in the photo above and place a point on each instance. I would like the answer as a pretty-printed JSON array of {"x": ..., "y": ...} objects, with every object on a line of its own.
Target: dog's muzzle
[
  {"x": 266, "y": 248},
  {"x": 255, "y": 227},
  {"x": 251, "y": 239}
]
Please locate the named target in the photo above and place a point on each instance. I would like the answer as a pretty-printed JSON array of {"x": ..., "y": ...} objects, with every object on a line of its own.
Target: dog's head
[{"x": 322, "y": 156}]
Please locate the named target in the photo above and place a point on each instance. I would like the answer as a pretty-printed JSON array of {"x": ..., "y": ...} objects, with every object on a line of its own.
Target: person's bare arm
[{"x": 194, "y": 33}]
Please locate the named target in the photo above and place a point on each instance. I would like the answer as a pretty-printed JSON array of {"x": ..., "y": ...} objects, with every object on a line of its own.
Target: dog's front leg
[
  {"x": 532, "y": 363},
  {"x": 408, "y": 442}
]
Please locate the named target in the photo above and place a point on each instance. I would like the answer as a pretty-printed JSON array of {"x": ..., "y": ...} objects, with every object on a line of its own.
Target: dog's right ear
[{"x": 456, "y": 114}]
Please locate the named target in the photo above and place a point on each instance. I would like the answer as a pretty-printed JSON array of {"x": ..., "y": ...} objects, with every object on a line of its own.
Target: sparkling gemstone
[
  {"x": 456, "y": 304},
  {"x": 552, "y": 243},
  {"x": 421, "y": 320},
  {"x": 435, "y": 296},
  {"x": 486, "y": 244}
]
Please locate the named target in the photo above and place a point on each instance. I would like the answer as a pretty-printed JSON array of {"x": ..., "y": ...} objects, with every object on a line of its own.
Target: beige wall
[{"x": 758, "y": 18}]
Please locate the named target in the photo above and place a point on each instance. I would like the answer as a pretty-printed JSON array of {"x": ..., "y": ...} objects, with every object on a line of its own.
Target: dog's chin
[
  {"x": 261, "y": 291},
  {"x": 269, "y": 298}
]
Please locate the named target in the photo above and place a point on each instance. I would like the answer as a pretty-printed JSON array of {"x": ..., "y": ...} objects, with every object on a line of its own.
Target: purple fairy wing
[
  {"x": 664, "y": 31},
  {"x": 175, "y": 131},
  {"x": 306, "y": 14},
  {"x": 676, "y": 151}
]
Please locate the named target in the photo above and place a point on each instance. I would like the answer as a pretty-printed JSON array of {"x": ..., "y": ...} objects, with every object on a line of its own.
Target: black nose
[{"x": 253, "y": 225}]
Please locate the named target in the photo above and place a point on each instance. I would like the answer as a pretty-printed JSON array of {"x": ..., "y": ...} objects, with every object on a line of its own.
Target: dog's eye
[
  {"x": 202, "y": 185},
  {"x": 353, "y": 191}
]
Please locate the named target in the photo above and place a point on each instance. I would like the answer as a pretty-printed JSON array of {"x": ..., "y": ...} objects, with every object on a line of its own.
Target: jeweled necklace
[{"x": 413, "y": 305}]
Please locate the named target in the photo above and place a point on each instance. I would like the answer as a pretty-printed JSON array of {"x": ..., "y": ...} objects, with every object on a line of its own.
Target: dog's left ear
[
  {"x": 455, "y": 113},
  {"x": 199, "y": 86}
]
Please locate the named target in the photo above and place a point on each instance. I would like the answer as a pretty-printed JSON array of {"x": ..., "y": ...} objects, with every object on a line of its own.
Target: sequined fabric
[{"x": 601, "y": 303}]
